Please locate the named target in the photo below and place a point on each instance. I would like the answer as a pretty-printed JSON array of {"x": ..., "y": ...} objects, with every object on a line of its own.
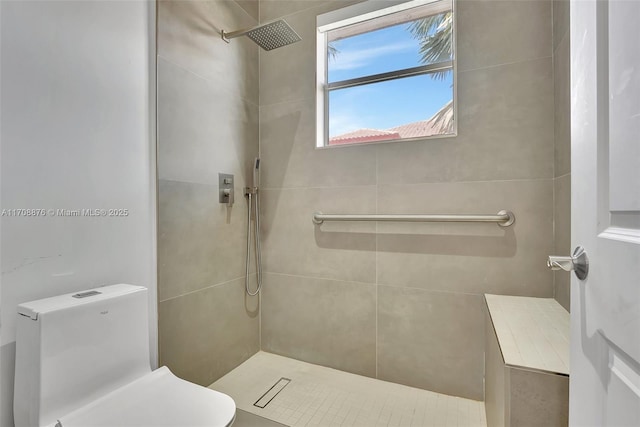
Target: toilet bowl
[
  {"x": 157, "y": 399},
  {"x": 82, "y": 360}
]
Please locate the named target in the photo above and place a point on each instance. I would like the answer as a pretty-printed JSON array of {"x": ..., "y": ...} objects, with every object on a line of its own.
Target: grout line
[
  {"x": 553, "y": 231},
  {"x": 377, "y": 285},
  {"x": 211, "y": 82},
  {"x": 553, "y": 41},
  {"x": 555, "y": 145},
  {"x": 565, "y": 35},
  {"x": 317, "y": 188},
  {"x": 562, "y": 176},
  {"x": 376, "y": 264},
  {"x": 204, "y": 184},
  {"x": 182, "y": 67},
  {"x": 260, "y": 300},
  {"x": 377, "y": 185},
  {"x": 505, "y": 64},
  {"x": 204, "y": 289},
  {"x": 293, "y": 13},
  {"x": 289, "y": 101},
  {"x": 441, "y": 291},
  {"x": 354, "y": 282},
  {"x": 256, "y": 20}
]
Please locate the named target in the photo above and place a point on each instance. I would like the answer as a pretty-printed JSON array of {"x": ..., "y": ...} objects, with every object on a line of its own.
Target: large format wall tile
[
  {"x": 429, "y": 311},
  {"x": 538, "y": 399},
  {"x": 199, "y": 245},
  {"x": 495, "y": 386},
  {"x": 494, "y": 32},
  {"x": 189, "y": 35},
  {"x": 288, "y": 73},
  {"x": 431, "y": 340},
  {"x": 207, "y": 123},
  {"x": 320, "y": 321},
  {"x": 252, "y": 7},
  {"x": 203, "y": 129},
  {"x": 287, "y": 138},
  {"x": 272, "y": 9},
  {"x": 293, "y": 244},
  {"x": 206, "y": 334},
  {"x": 505, "y": 131},
  {"x": 562, "y": 167},
  {"x": 562, "y": 101},
  {"x": 474, "y": 258},
  {"x": 562, "y": 227}
]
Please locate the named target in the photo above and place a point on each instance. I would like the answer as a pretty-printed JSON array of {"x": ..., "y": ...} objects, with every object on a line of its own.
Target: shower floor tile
[{"x": 320, "y": 396}]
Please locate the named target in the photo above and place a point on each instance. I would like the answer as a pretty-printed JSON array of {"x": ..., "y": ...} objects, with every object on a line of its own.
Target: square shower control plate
[{"x": 225, "y": 188}]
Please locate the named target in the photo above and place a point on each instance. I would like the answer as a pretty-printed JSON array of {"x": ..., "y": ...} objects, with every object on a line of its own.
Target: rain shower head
[{"x": 268, "y": 36}]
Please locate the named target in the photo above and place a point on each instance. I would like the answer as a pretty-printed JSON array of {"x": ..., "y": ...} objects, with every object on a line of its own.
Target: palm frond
[
  {"x": 435, "y": 36},
  {"x": 332, "y": 50},
  {"x": 443, "y": 119},
  {"x": 441, "y": 75}
]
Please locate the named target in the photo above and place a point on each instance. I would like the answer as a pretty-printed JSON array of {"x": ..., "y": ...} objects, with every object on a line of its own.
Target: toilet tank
[{"x": 74, "y": 348}]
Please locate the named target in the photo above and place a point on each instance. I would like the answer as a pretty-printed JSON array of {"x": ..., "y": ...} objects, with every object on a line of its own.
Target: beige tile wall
[
  {"x": 355, "y": 297},
  {"x": 428, "y": 339},
  {"x": 402, "y": 302},
  {"x": 322, "y": 321},
  {"x": 562, "y": 126},
  {"x": 208, "y": 123},
  {"x": 538, "y": 399}
]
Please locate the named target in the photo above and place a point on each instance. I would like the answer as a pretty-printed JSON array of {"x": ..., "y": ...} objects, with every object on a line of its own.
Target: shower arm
[{"x": 233, "y": 34}]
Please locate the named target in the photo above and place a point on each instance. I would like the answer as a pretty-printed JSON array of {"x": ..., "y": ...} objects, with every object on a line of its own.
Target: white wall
[{"x": 77, "y": 131}]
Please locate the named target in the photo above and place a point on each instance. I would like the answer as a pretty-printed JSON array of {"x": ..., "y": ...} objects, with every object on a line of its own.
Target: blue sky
[{"x": 387, "y": 104}]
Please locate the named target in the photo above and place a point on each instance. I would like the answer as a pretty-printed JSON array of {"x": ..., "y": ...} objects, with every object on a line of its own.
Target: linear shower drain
[{"x": 270, "y": 394}]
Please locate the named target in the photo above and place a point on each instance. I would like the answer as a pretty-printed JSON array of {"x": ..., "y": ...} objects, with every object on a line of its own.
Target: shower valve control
[{"x": 225, "y": 186}]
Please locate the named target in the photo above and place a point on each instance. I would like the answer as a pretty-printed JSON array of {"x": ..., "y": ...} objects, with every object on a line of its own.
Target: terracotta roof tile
[
  {"x": 363, "y": 135},
  {"x": 439, "y": 123}
]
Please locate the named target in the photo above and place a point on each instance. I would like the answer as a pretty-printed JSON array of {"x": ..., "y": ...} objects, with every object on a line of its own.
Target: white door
[{"x": 605, "y": 144}]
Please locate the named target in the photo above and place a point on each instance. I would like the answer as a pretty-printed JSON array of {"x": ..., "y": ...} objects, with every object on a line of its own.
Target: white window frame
[{"x": 358, "y": 13}]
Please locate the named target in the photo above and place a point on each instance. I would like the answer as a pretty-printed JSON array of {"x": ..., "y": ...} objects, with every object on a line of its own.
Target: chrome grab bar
[{"x": 503, "y": 218}]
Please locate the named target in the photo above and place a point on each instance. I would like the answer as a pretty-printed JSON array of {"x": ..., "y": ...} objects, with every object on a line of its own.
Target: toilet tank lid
[{"x": 33, "y": 309}]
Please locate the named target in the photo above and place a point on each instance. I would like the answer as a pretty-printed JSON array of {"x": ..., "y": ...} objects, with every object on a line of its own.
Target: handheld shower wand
[
  {"x": 251, "y": 193},
  {"x": 256, "y": 172}
]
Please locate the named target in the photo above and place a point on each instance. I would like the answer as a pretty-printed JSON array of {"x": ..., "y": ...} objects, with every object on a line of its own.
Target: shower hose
[{"x": 250, "y": 193}]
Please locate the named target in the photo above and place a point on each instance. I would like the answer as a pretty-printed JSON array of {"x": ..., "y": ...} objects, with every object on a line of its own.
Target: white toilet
[{"x": 82, "y": 360}]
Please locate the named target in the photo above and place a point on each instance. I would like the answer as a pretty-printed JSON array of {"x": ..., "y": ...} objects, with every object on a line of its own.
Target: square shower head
[{"x": 273, "y": 35}]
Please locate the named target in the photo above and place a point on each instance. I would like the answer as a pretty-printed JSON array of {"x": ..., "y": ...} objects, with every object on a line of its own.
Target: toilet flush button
[{"x": 86, "y": 294}]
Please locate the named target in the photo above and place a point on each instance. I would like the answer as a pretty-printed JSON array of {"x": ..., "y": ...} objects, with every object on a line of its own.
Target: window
[{"x": 386, "y": 73}]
